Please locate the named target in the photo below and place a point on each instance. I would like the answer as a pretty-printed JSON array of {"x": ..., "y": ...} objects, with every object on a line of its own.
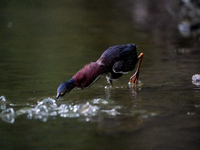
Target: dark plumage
[{"x": 114, "y": 62}]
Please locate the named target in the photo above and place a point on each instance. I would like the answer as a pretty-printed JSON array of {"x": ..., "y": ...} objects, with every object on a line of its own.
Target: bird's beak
[{"x": 58, "y": 95}]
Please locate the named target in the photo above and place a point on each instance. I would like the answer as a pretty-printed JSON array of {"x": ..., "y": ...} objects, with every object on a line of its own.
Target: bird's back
[{"x": 120, "y": 57}]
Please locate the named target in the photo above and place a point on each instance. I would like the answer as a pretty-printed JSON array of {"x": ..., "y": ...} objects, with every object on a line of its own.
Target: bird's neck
[
  {"x": 71, "y": 84},
  {"x": 88, "y": 74}
]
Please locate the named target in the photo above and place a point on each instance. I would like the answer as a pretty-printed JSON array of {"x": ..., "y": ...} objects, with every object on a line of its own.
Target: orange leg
[{"x": 135, "y": 77}]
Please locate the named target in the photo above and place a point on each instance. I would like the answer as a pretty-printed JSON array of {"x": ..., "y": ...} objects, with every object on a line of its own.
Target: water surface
[{"x": 44, "y": 43}]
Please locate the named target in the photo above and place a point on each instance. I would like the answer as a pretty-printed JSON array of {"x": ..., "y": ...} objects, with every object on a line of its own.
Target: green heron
[{"x": 114, "y": 62}]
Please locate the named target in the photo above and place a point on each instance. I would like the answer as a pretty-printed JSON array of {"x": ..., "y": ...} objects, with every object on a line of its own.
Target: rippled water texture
[{"x": 44, "y": 43}]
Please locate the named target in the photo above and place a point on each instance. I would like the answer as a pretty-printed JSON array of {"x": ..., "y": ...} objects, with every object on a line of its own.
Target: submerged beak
[{"x": 58, "y": 95}]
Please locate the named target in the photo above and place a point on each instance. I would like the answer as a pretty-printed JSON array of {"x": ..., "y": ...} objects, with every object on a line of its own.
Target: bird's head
[{"x": 64, "y": 88}]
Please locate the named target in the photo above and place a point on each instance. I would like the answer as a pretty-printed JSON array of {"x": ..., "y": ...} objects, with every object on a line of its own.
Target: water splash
[
  {"x": 48, "y": 108},
  {"x": 2, "y": 102},
  {"x": 77, "y": 110},
  {"x": 2, "y": 98},
  {"x": 8, "y": 115},
  {"x": 100, "y": 101},
  {"x": 112, "y": 112}
]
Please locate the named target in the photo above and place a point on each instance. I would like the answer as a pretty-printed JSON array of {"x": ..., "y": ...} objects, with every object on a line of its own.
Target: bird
[{"x": 113, "y": 63}]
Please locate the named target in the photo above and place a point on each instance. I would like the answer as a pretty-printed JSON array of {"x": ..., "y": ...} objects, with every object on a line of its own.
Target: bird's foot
[
  {"x": 134, "y": 79},
  {"x": 134, "y": 82},
  {"x": 109, "y": 81}
]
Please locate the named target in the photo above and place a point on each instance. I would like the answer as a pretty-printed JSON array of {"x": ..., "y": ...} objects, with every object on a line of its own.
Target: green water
[{"x": 44, "y": 43}]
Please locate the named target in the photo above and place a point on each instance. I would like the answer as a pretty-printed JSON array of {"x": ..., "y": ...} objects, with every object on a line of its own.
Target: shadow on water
[{"x": 44, "y": 43}]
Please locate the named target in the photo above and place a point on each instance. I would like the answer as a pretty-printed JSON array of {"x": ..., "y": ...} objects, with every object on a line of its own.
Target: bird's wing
[{"x": 118, "y": 67}]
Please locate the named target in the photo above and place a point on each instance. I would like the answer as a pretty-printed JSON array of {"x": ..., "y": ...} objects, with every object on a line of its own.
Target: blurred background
[{"x": 44, "y": 43}]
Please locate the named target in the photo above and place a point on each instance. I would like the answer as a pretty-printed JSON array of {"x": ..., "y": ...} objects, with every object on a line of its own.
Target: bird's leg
[
  {"x": 109, "y": 81},
  {"x": 135, "y": 77},
  {"x": 111, "y": 84}
]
